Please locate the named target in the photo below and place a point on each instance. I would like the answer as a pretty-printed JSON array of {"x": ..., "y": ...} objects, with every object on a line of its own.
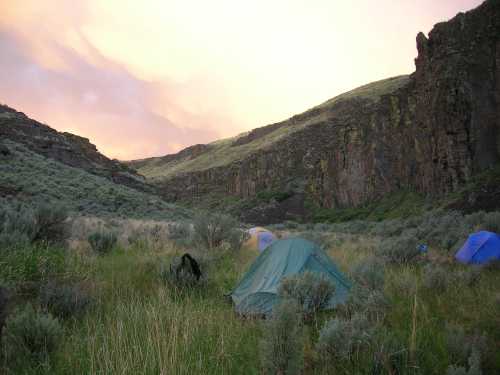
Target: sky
[{"x": 148, "y": 78}]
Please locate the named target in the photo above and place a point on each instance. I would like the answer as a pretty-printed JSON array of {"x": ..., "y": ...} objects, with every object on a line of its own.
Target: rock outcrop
[{"x": 429, "y": 132}]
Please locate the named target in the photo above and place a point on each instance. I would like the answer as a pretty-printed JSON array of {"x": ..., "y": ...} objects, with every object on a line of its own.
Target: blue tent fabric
[
  {"x": 265, "y": 239},
  {"x": 257, "y": 292},
  {"x": 481, "y": 247}
]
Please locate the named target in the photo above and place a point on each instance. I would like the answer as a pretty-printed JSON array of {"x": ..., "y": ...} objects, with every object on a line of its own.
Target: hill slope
[
  {"x": 430, "y": 132},
  {"x": 39, "y": 164}
]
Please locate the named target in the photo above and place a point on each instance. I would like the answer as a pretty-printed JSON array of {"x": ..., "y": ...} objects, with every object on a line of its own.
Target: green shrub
[
  {"x": 399, "y": 250},
  {"x": 312, "y": 291},
  {"x": 342, "y": 338},
  {"x": 23, "y": 225},
  {"x": 444, "y": 230},
  {"x": 436, "y": 278},
  {"x": 50, "y": 223},
  {"x": 215, "y": 230},
  {"x": 390, "y": 353},
  {"x": 181, "y": 234},
  {"x": 319, "y": 238},
  {"x": 372, "y": 303},
  {"x": 283, "y": 341},
  {"x": 491, "y": 222},
  {"x": 461, "y": 345},
  {"x": 469, "y": 276},
  {"x": 146, "y": 238},
  {"x": 102, "y": 242},
  {"x": 64, "y": 300},
  {"x": 4, "y": 301},
  {"x": 30, "y": 337},
  {"x": 17, "y": 227},
  {"x": 370, "y": 273},
  {"x": 474, "y": 366},
  {"x": 291, "y": 224},
  {"x": 28, "y": 266}
]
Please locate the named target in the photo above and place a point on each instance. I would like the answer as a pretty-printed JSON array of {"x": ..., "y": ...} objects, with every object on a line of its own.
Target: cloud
[{"x": 101, "y": 101}]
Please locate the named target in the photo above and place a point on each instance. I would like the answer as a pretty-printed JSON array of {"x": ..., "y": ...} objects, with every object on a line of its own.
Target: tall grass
[
  {"x": 138, "y": 325},
  {"x": 141, "y": 326}
]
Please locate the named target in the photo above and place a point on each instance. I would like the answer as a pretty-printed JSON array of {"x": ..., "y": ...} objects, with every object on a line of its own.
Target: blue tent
[
  {"x": 480, "y": 248},
  {"x": 257, "y": 292},
  {"x": 260, "y": 238}
]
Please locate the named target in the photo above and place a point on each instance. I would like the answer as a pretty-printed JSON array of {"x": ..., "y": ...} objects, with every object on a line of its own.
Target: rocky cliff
[{"x": 429, "y": 132}]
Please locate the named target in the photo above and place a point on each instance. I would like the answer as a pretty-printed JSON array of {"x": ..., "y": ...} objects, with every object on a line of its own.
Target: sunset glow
[{"x": 147, "y": 78}]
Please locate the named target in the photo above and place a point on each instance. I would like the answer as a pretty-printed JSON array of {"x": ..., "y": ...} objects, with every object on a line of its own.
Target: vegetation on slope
[
  {"x": 224, "y": 152},
  {"x": 28, "y": 177}
]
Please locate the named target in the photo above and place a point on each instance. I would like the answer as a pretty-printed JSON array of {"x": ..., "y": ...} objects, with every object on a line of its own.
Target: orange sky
[{"x": 147, "y": 78}]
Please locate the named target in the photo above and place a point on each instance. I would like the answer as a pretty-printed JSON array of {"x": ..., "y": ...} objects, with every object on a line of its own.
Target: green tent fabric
[{"x": 257, "y": 291}]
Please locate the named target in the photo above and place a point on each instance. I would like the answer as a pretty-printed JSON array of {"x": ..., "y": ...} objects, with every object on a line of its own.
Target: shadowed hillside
[{"x": 41, "y": 165}]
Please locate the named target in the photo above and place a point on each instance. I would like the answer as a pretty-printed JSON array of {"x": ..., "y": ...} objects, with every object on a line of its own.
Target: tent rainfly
[
  {"x": 257, "y": 292},
  {"x": 481, "y": 247},
  {"x": 260, "y": 238}
]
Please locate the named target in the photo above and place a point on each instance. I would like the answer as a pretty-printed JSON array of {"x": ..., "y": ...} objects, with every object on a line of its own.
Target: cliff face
[
  {"x": 458, "y": 98},
  {"x": 430, "y": 132},
  {"x": 66, "y": 148}
]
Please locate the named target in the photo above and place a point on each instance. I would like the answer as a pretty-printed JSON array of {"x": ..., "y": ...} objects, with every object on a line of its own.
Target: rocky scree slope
[{"x": 430, "y": 132}]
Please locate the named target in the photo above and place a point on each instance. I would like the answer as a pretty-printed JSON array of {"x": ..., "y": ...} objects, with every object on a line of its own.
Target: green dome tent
[{"x": 257, "y": 292}]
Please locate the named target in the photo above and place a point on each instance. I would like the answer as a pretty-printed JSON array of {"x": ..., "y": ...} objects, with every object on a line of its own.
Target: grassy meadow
[{"x": 136, "y": 323}]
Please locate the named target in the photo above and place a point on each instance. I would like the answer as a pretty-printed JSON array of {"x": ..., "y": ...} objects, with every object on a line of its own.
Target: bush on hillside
[
  {"x": 342, "y": 338},
  {"x": 491, "y": 222},
  {"x": 474, "y": 366},
  {"x": 146, "y": 237},
  {"x": 181, "y": 234},
  {"x": 102, "y": 242},
  {"x": 30, "y": 265},
  {"x": 216, "y": 230},
  {"x": 470, "y": 275},
  {"x": 322, "y": 239},
  {"x": 4, "y": 301},
  {"x": 22, "y": 225},
  {"x": 461, "y": 346},
  {"x": 372, "y": 303},
  {"x": 399, "y": 250},
  {"x": 30, "y": 337},
  {"x": 390, "y": 353},
  {"x": 370, "y": 273},
  {"x": 312, "y": 291},
  {"x": 50, "y": 223},
  {"x": 444, "y": 230},
  {"x": 283, "y": 341},
  {"x": 17, "y": 227},
  {"x": 436, "y": 278},
  {"x": 64, "y": 300}
]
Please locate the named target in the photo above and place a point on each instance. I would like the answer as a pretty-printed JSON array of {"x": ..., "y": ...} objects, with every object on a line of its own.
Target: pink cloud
[{"x": 100, "y": 101}]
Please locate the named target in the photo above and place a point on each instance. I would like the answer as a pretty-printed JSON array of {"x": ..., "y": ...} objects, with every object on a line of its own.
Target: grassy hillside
[
  {"x": 226, "y": 151},
  {"x": 29, "y": 177}
]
